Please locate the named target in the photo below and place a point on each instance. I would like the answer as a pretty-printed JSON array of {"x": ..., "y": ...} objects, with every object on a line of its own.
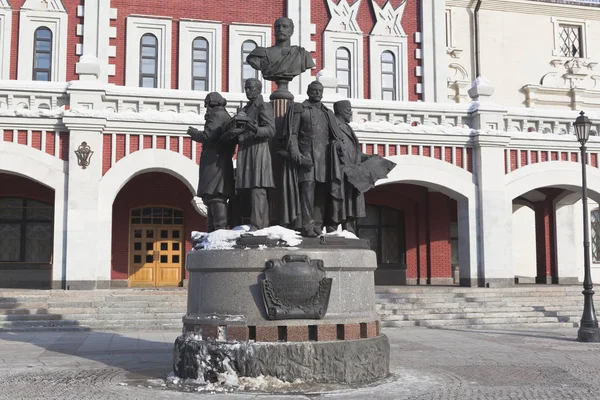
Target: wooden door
[
  {"x": 168, "y": 268},
  {"x": 142, "y": 256},
  {"x": 155, "y": 256}
]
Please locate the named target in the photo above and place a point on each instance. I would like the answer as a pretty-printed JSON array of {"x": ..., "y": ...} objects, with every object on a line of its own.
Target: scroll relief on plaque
[{"x": 295, "y": 287}]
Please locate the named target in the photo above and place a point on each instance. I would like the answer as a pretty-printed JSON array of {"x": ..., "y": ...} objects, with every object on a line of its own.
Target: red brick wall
[
  {"x": 427, "y": 227},
  {"x": 72, "y": 38},
  {"x": 411, "y": 21},
  {"x": 16, "y": 186},
  {"x": 256, "y": 12},
  {"x": 545, "y": 235},
  {"x": 150, "y": 189}
]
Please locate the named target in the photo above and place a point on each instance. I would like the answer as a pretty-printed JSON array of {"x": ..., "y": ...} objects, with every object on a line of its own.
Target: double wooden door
[{"x": 156, "y": 254}]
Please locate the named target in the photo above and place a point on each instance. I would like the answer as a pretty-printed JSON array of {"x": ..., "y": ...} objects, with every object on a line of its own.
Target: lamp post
[{"x": 588, "y": 328}]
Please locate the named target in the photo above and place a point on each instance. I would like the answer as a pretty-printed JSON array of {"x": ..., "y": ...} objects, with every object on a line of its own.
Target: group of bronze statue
[{"x": 321, "y": 172}]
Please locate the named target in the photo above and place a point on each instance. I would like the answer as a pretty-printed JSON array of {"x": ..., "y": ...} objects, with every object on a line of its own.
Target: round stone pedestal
[{"x": 227, "y": 327}]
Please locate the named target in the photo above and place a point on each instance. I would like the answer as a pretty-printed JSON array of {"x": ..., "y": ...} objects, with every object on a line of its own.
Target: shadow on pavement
[{"x": 45, "y": 339}]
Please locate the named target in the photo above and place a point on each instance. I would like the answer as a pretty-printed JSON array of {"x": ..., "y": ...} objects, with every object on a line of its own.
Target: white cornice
[{"x": 532, "y": 7}]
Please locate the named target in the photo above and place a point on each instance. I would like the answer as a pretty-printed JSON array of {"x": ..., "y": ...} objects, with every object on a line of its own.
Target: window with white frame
[
  {"x": 389, "y": 68},
  {"x": 247, "y": 70},
  {"x": 570, "y": 37},
  {"x": 200, "y": 64},
  {"x": 42, "y": 54},
  {"x": 242, "y": 39},
  {"x": 148, "y": 52},
  {"x": 148, "y": 60},
  {"x": 42, "y": 24},
  {"x": 343, "y": 72},
  {"x": 388, "y": 76},
  {"x": 200, "y": 55},
  {"x": 343, "y": 55},
  {"x": 570, "y": 41}
]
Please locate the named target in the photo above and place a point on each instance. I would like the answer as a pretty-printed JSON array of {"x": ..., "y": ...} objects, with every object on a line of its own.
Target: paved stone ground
[{"x": 426, "y": 364}]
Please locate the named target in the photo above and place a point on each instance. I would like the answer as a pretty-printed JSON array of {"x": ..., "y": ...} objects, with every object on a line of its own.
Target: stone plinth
[{"x": 226, "y": 320}]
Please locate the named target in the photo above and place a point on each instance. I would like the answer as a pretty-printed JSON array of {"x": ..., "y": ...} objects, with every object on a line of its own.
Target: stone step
[
  {"x": 27, "y": 326},
  {"x": 81, "y": 318},
  {"x": 438, "y": 290},
  {"x": 486, "y": 320},
  {"x": 457, "y": 316}
]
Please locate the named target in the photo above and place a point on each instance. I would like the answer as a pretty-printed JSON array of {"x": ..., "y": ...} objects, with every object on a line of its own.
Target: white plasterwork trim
[
  {"x": 5, "y": 40},
  {"x": 213, "y": 33},
  {"x": 29, "y": 21},
  {"x": 354, "y": 43},
  {"x": 238, "y": 34},
  {"x": 398, "y": 46},
  {"x": 343, "y": 16},
  {"x": 48, "y": 5},
  {"x": 388, "y": 19},
  {"x": 136, "y": 28}
]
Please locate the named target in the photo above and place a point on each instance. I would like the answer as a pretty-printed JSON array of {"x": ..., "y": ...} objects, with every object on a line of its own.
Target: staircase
[
  {"x": 398, "y": 306},
  {"x": 514, "y": 307},
  {"x": 117, "y": 309}
]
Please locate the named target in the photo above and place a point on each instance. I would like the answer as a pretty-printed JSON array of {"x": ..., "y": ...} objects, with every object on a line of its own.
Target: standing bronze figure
[
  {"x": 215, "y": 185},
  {"x": 348, "y": 151},
  {"x": 311, "y": 126},
  {"x": 253, "y": 170}
]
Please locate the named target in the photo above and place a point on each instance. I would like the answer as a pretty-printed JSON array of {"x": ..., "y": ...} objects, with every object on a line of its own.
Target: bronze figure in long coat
[
  {"x": 215, "y": 185},
  {"x": 254, "y": 170}
]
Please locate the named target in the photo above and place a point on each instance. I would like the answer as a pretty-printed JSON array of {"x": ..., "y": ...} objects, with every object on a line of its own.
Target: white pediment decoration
[
  {"x": 4, "y": 4},
  {"x": 343, "y": 16},
  {"x": 48, "y": 5},
  {"x": 572, "y": 85},
  {"x": 389, "y": 19}
]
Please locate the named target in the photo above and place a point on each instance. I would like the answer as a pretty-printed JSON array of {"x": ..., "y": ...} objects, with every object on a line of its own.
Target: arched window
[
  {"x": 25, "y": 230},
  {"x": 595, "y": 226},
  {"x": 42, "y": 54},
  {"x": 388, "y": 76},
  {"x": 342, "y": 71},
  {"x": 148, "y": 61},
  {"x": 200, "y": 64},
  {"x": 247, "y": 70},
  {"x": 384, "y": 228}
]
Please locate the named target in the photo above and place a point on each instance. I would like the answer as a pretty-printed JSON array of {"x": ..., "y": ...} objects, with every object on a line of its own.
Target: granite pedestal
[{"x": 227, "y": 329}]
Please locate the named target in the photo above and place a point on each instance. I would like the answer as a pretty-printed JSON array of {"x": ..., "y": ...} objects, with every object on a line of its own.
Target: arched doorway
[
  {"x": 156, "y": 246},
  {"x": 152, "y": 221}
]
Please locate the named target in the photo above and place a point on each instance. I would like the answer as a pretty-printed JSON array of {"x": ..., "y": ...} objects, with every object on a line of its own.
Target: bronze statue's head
[
  {"x": 343, "y": 109},
  {"x": 252, "y": 87},
  {"x": 315, "y": 92},
  {"x": 284, "y": 29},
  {"x": 213, "y": 101}
]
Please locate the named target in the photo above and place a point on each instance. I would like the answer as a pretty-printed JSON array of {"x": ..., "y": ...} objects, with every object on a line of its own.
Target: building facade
[{"x": 97, "y": 175}]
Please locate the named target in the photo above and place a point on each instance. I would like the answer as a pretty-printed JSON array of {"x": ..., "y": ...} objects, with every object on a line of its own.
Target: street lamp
[{"x": 588, "y": 328}]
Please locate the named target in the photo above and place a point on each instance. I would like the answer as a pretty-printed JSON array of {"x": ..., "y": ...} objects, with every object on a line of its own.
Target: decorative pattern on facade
[
  {"x": 52, "y": 143},
  {"x": 388, "y": 19},
  {"x": 343, "y": 16},
  {"x": 518, "y": 158}
]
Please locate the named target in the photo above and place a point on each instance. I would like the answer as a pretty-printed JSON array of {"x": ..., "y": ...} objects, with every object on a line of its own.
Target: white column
[
  {"x": 299, "y": 12},
  {"x": 569, "y": 239},
  {"x": 494, "y": 212},
  {"x": 467, "y": 242},
  {"x": 93, "y": 63},
  {"x": 433, "y": 45},
  {"x": 83, "y": 269}
]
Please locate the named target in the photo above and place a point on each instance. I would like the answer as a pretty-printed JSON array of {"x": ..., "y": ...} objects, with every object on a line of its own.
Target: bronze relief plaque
[{"x": 295, "y": 287}]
